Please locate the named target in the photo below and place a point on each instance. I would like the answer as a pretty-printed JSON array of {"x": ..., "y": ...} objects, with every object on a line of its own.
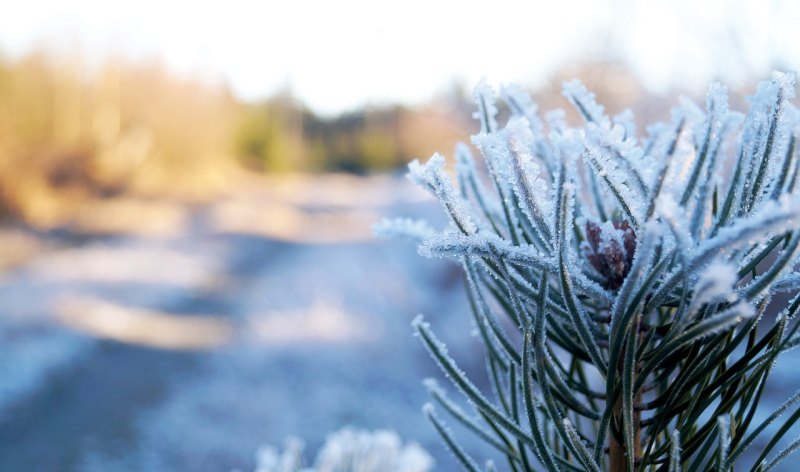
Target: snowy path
[{"x": 233, "y": 335}]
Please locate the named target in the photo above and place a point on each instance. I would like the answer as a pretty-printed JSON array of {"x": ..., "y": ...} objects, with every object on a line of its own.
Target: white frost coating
[
  {"x": 770, "y": 96},
  {"x": 497, "y": 156},
  {"x": 615, "y": 139},
  {"x": 622, "y": 149},
  {"x": 625, "y": 118},
  {"x": 483, "y": 244},
  {"x": 568, "y": 192},
  {"x": 556, "y": 120},
  {"x": 569, "y": 142},
  {"x": 616, "y": 180},
  {"x": 522, "y": 105},
  {"x": 695, "y": 119},
  {"x": 432, "y": 176},
  {"x": 774, "y": 218},
  {"x": 717, "y": 105},
  {"x": 494, "y": 149},
  {"x": 532, "y": 190},
  {"x": 584, "y": 101},
  {"x": 744, "y": 309},
  {"x": 432, "y": 385},
  {"x": 675, "y": 452},
  {"x": 419, "y": 322},
  {"x": 470, "y": 183},
  {"x": 793, "y": 114},
  {"x": 715, "y": 285},
  {"x": 692, "y": 118},
  {"x": 717, "y": 99},
  {"x": 518, "y": 131},
  {"x": 691, "y": 111},
  {"x": 694, "y": 115},
  {"x": 668, "y": 209},
  {"x": 580, "y": 445},
  {"x": 723, "y": 320},
  {"x": 611, "y": 238},
  {"x": 724, "y": 429},
  {"x": 437, "y": 350},
  {"x": 793, "y": 447},
  {"x": 787, "y": 284},
  {"x": 688, "y": 111},
  {"x": 704, "y": 170},
  {"x": 416, "y": 230},
  {"x": 465, "y": 163},
  {"x": 786, "y": 81},
  {"x": 491, "y": 246},
  {"x": 657, "y": 134},
  {"x": 771, "y": 104},
  {"x": 487, "y": 109},
  {"x": 423, "y": 174}
]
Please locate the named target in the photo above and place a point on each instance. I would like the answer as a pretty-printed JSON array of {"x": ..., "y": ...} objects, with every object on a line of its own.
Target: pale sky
[{"x": 341, "y": 54}]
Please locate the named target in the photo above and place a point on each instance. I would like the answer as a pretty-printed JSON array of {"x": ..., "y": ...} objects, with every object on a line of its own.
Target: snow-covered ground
[
  {"x": 270, "y": 313},
  {"x": 267, "y": 314}
]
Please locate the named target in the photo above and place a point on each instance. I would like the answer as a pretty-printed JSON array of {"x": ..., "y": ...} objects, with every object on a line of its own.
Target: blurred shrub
[
  {"x": 349, "y": 450},
  {"x": 68, "y": 132},
  {"x": 280, "y": 135},
  {"x": 268, "y": 137}
]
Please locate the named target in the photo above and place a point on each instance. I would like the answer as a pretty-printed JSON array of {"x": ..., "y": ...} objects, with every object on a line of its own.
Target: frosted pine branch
[{"x": 635, "y": 272}]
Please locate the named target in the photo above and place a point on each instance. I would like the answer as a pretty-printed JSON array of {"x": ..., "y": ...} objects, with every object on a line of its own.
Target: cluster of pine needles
[{"x": 632, "y": 292}]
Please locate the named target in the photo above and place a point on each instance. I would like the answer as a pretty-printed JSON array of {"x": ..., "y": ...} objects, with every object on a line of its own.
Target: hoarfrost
[
  {"x": 431, "y": 175},
  {"x": 532, "y": 190},
  {"x": 787, "y": 284},
  {"x": 487, "y": 109},
  {"x": 584, "y": 101},
  {"x": 522, "y": 105},
  {"x": 465, "y": 163},
  {"x": 619, "y": 182},
  {"x": 715, "y": 286},
  {"x": 556, "y": 120},
  {"x": 626, "y": 119}
]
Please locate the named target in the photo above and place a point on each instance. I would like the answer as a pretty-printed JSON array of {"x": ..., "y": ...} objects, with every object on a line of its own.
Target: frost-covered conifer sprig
[{"x": 622, "y": 286}]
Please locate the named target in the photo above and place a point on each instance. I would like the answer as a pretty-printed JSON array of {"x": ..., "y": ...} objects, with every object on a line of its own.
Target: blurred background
[{"x": 187, "y": 189}]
